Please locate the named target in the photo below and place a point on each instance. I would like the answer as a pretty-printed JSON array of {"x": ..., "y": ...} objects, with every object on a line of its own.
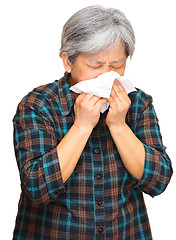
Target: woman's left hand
[{"x": 119, "y": 104}]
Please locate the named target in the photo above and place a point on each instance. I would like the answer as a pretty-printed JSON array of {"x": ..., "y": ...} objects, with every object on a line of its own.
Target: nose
[
  {"x": 104, "y": 69},
  {"x": 108, "y": 68}
]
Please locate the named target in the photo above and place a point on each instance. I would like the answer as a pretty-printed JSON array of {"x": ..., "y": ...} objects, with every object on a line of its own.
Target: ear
[{"x": 66, "y": 62}]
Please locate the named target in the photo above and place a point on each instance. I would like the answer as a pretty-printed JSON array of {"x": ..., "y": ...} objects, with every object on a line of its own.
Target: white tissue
[{"x": 101, "y": 86}]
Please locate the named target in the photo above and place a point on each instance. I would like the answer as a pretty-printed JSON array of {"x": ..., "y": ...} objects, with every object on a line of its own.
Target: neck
[{"x": 70, "y": 80}]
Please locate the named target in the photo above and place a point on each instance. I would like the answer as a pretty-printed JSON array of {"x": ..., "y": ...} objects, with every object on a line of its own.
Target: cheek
[
  {"x": 86, "y": 73},
  {"x": 89, "y": 74}
]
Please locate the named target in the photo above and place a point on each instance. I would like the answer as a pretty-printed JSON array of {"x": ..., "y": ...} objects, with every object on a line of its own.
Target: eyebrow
[{"x": 120, "y": 60}]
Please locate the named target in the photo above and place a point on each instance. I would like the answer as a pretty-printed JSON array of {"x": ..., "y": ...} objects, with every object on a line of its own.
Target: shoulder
[
  {"x": 140, "y": 101},
  {"x": 38, "y": 102},
  {"x": 41, "y": 95}
]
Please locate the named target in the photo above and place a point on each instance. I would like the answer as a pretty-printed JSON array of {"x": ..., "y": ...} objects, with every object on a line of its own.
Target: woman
[{"x": 83, "y": 172}]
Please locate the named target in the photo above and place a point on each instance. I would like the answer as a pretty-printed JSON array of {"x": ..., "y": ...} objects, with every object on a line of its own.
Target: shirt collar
[{"x": 66, "y": 96}]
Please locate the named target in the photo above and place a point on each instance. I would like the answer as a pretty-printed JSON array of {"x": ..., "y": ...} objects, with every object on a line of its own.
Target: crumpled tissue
[{"x": 101, "y": 86}]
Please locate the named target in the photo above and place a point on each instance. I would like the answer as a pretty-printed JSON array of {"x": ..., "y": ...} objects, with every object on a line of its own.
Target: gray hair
[{"x": 93, "y": 29}]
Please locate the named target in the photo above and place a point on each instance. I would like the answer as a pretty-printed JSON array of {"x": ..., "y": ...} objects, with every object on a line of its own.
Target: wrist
[
  {"x": 83, "y": 129},
  {"x": 118, "y": 129}
]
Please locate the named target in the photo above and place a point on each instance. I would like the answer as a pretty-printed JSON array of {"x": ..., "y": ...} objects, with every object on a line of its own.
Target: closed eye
[
  {"x": 95, "y": 67},
  {"x": 117, "y": 66},
  {"x": 113, "y": 66}
]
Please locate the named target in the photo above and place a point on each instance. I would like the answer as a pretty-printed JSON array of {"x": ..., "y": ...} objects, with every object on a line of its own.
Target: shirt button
[
  {"x": 100, "y": 230},
  {"x": 96, "y": 151},
  {"x": 99, "y": 176},
  {"x": 99, "y": 202}
]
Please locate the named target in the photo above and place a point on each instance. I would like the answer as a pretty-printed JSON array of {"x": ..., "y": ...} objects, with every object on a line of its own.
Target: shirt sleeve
[
  {"x": 35, "y": 148},
  {"x": 157, "y": 170}
]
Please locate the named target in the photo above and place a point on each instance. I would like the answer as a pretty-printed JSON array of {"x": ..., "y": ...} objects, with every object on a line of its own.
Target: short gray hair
[{"x": 93, "y": 29}]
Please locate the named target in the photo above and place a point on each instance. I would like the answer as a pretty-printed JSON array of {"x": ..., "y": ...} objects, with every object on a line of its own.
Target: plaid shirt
[{"x": 101, "y": 199}]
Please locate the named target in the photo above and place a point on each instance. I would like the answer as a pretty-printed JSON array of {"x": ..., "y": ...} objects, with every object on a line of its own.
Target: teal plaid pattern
[{"x": 101, "y": 199}]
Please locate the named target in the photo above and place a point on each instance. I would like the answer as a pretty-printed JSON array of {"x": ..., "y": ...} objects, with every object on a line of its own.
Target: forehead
[{"x": 114, "y": 53}]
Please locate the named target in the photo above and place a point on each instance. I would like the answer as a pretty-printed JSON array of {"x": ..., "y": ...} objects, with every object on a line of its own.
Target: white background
[{"x": 29, "y": 46}]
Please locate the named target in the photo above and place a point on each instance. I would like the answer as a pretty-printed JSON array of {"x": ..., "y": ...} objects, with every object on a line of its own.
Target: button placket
[
  {"x": 100, "y": 230},
  {"x": 99, "y": 176},
  {"x": 99, "y": 206},
  {"x": 99, "y": 202},
  {"x": 98, "y": 183},
  {"x": 96, "y": 151}
]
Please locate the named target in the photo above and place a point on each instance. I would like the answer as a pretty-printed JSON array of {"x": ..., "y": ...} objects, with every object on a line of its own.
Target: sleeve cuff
[
  {"x": 150, "y": 174},
  {"x": 52, "y": 174}
]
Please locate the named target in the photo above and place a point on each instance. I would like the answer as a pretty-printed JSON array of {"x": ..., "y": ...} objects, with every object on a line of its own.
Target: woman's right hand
[{"x": 87, "y": 110}]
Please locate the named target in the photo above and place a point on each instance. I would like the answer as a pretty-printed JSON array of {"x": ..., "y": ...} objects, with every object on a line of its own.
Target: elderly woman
[{"x": 83, "y": 172}]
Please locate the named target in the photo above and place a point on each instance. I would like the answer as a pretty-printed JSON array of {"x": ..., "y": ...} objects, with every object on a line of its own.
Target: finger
[
  {"x": 89, "y": 99},
  {"x": 81, "y": 95},
  {"x": 112, "y": 102},
  {"x": 120, "y": 91},
  {"x": 88, "y": 96},
  {"x": 98, "y": 100},
  {"x": 119, "y": 85},
  {"x": 122, "y": 100},
  {"x": 83, "y": 98},
  {"x": 115, "y": 95},
  {"x": 100, "y": 103},
  {"x": 118, "y": 100}
]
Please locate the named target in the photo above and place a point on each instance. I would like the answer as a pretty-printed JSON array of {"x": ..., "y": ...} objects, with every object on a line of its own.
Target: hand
[
  {"x": 87, "y": 110},
  {"x": 119, "y": 104}
]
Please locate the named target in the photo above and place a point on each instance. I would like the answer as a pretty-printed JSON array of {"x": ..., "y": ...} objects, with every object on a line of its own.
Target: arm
[
  {"x": 129, "y": 146},
  {"x": 45, "y": 164},
  {"x": 140, "y": 147},
  {"x": 35, "y": 144},
  {"x": 70, "y": 148},
  {"x": 87, "y": 112},
  {"x": 158, "y": 168}
]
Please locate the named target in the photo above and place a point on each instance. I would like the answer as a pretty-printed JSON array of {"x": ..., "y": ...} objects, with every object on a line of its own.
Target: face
[{"x": 91, "y": 66}]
